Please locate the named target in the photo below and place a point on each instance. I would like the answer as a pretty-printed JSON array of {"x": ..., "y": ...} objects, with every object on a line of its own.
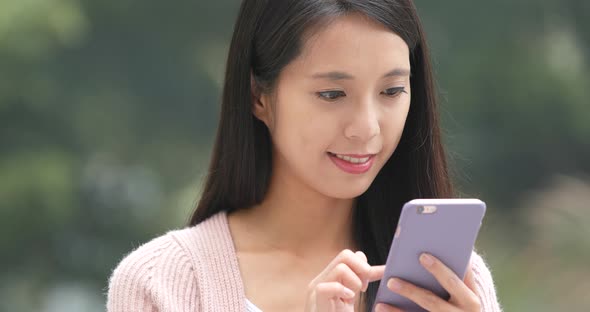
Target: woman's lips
[{"x": 353, "y": 163}]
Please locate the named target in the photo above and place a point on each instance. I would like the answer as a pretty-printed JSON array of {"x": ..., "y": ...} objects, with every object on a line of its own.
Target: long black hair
[{"x": 268, "y": 35}]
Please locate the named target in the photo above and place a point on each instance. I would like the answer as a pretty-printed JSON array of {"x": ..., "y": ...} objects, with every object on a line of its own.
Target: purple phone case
[{"x": 449, "y": 234}]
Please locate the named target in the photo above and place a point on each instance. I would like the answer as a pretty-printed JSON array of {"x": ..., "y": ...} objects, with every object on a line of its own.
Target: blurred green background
[{"x": 108, "y": 111}]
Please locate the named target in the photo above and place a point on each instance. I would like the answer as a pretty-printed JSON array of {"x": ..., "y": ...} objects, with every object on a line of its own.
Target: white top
[{"x": 250, "y": 307}]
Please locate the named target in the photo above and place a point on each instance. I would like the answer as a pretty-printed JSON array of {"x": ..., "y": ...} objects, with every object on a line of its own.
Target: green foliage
[{"x": 108, "y": 110}]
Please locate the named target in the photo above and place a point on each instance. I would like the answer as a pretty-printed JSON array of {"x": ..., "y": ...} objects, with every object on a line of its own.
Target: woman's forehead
[{"x": 352, "y": 42}]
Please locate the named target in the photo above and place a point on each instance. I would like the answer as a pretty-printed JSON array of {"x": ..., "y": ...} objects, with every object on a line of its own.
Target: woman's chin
[{"x": 347, "y": 192}]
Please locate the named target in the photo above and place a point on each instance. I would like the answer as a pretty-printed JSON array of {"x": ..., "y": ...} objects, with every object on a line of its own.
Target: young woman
[{"x": 328, "y": 126}]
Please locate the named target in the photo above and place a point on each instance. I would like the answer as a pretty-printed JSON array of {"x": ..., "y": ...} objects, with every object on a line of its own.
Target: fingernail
[
  {"x": 365, "y": 285},
  {"x": 349, "y": 293},
  {"x": 380, "y": 307},
  {"x": 426, "y": 259},
  {"x": 394, "y": 284}
]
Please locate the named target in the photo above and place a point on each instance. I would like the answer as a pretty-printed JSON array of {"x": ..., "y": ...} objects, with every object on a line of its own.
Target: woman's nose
[{"x": 364, "y": 123}]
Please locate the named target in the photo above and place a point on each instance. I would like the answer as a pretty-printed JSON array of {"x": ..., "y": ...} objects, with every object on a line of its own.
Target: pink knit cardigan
[{"x": 196, "y": 269}]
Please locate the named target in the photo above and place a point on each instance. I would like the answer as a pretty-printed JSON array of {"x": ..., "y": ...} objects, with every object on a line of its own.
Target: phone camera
[{"x": 426, "y": 209}]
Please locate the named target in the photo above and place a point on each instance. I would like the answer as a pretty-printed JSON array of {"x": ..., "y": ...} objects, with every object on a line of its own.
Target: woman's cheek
[{"x": 392, "y": 133}]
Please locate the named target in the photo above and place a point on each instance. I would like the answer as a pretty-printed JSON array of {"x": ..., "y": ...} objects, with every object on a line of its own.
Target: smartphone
[{"x": 445, "y": 228}]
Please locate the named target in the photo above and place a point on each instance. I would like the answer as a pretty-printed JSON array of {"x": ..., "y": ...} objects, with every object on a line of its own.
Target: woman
[{"x": 328, "y": 126}]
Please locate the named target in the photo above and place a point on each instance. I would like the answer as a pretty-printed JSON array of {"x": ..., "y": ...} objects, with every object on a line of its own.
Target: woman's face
[{"x": 346, "y": 95}]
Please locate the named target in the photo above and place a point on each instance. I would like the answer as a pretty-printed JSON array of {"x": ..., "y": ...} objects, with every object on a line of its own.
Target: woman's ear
[{"x": 260, "y": 102}]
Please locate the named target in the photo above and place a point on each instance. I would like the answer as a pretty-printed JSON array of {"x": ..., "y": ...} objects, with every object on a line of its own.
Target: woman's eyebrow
[{"x": 338, "y": 75}]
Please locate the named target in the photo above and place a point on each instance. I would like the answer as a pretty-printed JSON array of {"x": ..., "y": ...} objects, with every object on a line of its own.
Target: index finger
[
  {"x": 359, "y": 267},
  {"x": 376, "y": 272},
  {"x": 447, "y": 279}
]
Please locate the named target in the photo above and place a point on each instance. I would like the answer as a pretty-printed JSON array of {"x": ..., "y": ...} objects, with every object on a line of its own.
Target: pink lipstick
[{"x": 353, "y": 163}]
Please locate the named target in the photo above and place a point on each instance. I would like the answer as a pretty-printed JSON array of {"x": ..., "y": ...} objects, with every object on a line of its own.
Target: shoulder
[
  {"x": 161, "y": 274},
  {"x": 141, "y": 281},
  {"x": 171, "y": 272},
  {"x": 484, "y": 283}
]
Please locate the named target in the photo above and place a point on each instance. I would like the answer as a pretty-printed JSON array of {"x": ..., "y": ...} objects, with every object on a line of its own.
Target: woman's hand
[
  {"x": 337, "y": 286},
  {"x": 463, "y": 293}
]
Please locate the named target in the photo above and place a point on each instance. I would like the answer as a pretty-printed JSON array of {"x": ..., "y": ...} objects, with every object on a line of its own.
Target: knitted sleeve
[
  {"x": 157, "y": 276},
  {"x": 484, "y": 284}
]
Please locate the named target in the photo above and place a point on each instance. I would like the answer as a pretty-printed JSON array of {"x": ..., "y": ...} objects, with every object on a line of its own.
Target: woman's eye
[
  {"x": 334, "y": 95},
  {"x": 330, "y": 95},
  {"x": 395, "y": 91}
]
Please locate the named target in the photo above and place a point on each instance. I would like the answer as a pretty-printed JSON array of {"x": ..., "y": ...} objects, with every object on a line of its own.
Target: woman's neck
[{"x": 298, "y": 219}]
